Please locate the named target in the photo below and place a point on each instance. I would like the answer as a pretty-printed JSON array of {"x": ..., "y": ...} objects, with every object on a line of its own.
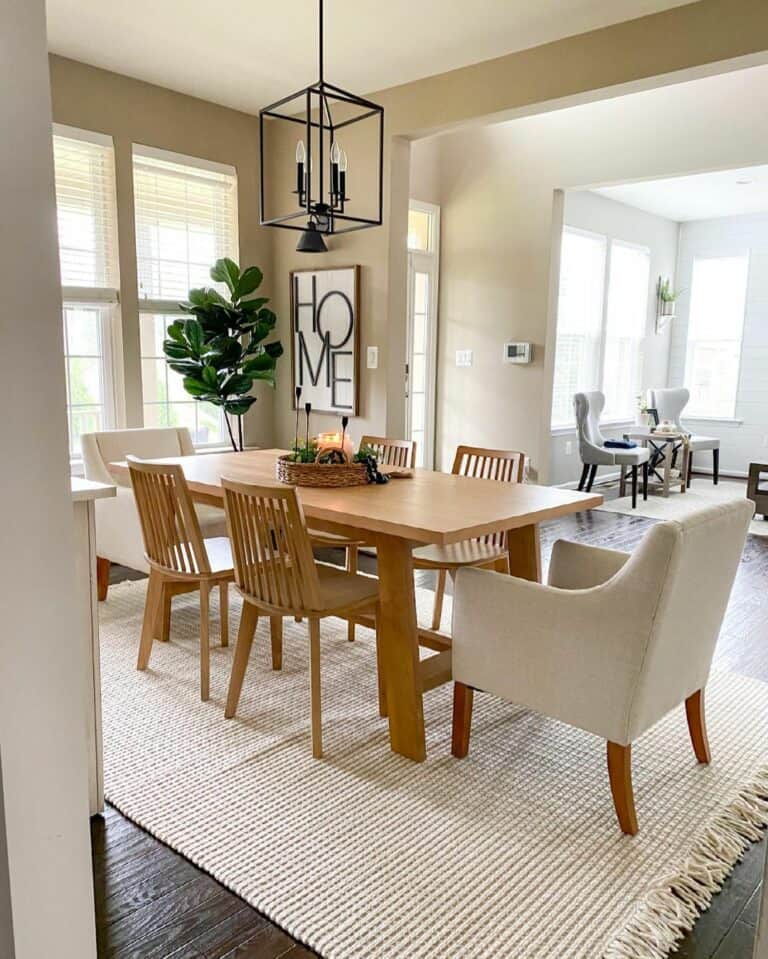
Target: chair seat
[
  {"x": 331, "y": 540},
  {"x": 219, "y": 551},
  {"x": 634, "y": 457},
  {"x": 470, "y": 552},
  {"x": 698, "y": 443},
  {"x": 339, "y": 589}
]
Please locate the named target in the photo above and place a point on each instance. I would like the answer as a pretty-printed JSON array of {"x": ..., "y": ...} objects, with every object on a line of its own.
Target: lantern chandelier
[{"x": 321, "y": 180}]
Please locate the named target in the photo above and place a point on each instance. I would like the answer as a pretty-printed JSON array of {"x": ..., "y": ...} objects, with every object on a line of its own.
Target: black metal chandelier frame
[{"x": 325, "y": 213}]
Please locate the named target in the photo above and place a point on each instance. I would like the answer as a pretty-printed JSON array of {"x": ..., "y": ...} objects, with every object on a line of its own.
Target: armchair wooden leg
[
  {"x": 715, "y": 466},
  {"x": 592, "y": 475},
  {"x": 634, "y": 487},
  {"x": 314, "y": 687},
  {"x": 690, "y": 468},
  {"x": 622, "y": 482},
  {"x": 463, "y": 697},
  {"x": 620, "y": 775},
  {"x": 584, "y": 475},
  {"x": 248, "y": 622},
  {"x": 437, "y": 609},
  {"x": 154, "y": 594},
  {"x": 697, "y": 726},
  {"x": 102, "y": 578},
  {"x": 224, "y": 612},
  {"x": 205, "y": 641},
  {"x": 351, "y": 568},
  {"x": 645, "y": 481},
  {"x": 276, "y": 636}
]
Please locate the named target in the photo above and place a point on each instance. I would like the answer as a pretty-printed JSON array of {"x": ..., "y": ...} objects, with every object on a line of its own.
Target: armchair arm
[
  {"x": 574, "y": 654},
  {"x": 575, "y": 566}
]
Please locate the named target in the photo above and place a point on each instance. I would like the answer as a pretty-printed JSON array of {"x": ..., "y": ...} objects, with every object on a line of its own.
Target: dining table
[{"x": 428, "y": 507}]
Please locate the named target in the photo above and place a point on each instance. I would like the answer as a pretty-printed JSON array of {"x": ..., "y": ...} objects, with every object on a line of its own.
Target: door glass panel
[{"x": 419, "y": 231}]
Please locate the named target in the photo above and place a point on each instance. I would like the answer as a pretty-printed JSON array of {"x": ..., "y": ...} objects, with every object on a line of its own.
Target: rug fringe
[{"x": 671, "y": 909}]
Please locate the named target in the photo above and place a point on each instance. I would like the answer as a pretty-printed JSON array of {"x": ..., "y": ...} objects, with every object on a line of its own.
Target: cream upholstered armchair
[
  {"x": 612, "y": 644},
  {"x": 669, "y": 404},
  {"x": 118, "y": 533}
]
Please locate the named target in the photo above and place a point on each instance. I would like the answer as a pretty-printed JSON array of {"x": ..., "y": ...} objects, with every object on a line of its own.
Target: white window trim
[
  {"x": 557, "y": 429},
  {"x": 701, "y": 417},
  {"x": 168, "y": 156}
]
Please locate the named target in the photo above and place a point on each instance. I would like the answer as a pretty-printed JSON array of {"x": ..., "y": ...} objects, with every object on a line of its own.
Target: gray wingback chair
[
  {"x": 612, "y": 643},
  {"x": 592, "y": 449},
  {"x": 669, "y": 404}
]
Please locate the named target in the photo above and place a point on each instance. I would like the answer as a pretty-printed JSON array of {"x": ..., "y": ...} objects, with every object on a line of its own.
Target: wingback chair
[
  {"x": 612, "y": 643},
  {"x": 669, "y": 404},
  {"x": 118, "y": 533},
  {"x": 594, "y": 453}
]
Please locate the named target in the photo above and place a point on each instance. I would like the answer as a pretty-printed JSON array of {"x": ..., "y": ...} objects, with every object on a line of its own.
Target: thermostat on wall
[{"x": 518, "y": 352}]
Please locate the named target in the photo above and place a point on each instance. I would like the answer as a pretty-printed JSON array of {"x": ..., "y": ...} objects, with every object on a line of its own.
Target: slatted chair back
[
  {"x": 270, "y": 546},
  {"x": 504, "y": 466},
  {"x": 173, "y": 541},
  {"x": 389, "y": 452}
]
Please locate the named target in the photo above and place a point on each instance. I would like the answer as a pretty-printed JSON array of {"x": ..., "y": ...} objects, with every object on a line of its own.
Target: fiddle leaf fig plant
[{"x": 219, "y": 350}]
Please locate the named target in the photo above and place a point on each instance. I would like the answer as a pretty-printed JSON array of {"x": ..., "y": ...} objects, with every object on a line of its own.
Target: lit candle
[
  {"x": 336, "y": 441},
  {"x": 335, "y": 157},
  {"x": 301, "y": 156}
]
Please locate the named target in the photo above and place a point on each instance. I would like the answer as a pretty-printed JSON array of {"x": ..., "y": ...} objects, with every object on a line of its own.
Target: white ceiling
[
  {"x": 699, "y": 197},
  {"x": 246, "y": 53}
]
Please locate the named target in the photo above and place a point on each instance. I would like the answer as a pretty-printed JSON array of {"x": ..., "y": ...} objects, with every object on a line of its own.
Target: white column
[{"x": 42, "y": 693}]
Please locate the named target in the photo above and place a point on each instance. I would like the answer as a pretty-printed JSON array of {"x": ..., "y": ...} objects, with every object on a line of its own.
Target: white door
[{"x": 421, "y": 363}]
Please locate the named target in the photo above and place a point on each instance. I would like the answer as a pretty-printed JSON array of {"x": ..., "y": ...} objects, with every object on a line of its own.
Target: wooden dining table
[{"x": 426, "y": 508}]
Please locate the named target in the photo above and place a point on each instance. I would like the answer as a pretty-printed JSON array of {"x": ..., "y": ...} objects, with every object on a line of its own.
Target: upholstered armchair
[
  {"x": 669, "y": 404},
  {"x": 613, "y": 642},
  {"x": 118, "y": 533},
  {"x": 588, "y": 407}
]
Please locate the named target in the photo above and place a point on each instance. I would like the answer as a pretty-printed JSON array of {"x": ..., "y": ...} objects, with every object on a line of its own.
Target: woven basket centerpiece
[{"x": 331, "y": 468}]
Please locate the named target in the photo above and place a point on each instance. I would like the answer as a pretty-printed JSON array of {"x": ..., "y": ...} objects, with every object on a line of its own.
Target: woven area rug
[
  {"x": 677, "y": 504},
  {"x": 513, "y": 851}
]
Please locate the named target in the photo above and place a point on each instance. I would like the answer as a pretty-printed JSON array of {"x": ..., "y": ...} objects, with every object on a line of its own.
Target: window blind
[
  {"x": 87, "y": 218},
  {"x": 186, "y": 218}
]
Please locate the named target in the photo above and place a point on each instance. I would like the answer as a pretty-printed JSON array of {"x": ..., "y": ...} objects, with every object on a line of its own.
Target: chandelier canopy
[{"x": 325, "y": 117}]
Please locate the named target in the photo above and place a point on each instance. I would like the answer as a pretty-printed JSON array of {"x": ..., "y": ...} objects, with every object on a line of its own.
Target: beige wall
[
  {"x": 134, "y": 112},
  {"x": 498, "y": 187}
]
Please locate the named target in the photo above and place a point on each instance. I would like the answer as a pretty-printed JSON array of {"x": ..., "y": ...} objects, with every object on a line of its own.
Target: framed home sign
[{"x": 325, "y": 338}]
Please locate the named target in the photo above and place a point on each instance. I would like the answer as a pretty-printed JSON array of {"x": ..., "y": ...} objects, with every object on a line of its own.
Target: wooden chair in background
[
  {"x": 488, "y": 552},
  {"x": 388, "y": 452},
  {"x": 180, "y": 560},
  {"x": 276, "y": 574}
]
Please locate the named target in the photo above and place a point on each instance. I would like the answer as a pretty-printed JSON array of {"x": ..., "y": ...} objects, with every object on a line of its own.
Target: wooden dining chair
[
  {"x": 276, "y": 574},
  {"x": 179, "y": 559},
  {"x": 388, "y": 452},
  {"x": 488, "y": 552}
]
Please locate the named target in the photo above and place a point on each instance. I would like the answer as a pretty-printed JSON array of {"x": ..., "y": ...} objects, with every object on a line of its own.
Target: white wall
[
  {"x": 598, "y": 214},
  {"x": 497, "y": 188},
  {"x": 745, "y": 440},
  {"x": 42, "y": 676}
]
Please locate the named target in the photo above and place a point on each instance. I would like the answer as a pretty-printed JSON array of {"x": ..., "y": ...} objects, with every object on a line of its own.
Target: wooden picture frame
[{"x": 320, "y": 362}]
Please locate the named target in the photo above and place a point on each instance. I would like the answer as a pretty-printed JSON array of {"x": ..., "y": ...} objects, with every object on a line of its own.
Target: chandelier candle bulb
[
  {"x": 301, "y": 156},
  {"x": 335, "y": 158},
  {"x": 343, "y": 176}
]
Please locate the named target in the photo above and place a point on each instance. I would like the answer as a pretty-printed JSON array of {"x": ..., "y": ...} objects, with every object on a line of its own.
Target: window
[
  {"x": 715, "y": 325},
  {"x": 602, "y": 315},
  {"x": 186, "y": 219},
  {"x": 87, "y": 228}
]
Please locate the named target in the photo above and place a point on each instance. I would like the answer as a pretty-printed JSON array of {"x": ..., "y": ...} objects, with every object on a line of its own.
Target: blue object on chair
[{"x": 620, "y": 444}]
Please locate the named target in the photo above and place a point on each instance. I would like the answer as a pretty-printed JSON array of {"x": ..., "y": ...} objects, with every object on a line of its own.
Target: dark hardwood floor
[{"x": 151, "y": 903}]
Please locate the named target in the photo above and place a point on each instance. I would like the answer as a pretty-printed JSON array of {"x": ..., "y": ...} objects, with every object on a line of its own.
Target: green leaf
[
  {"x": 187, "y": 368},
  {"x": 211, "y": 378},
  {"x": 226, "y": 271},
  {"x": 176, "y": 331},
  {"x": 223, "y": 351},
  {"x": 175, "y": 351},
  {"x": 250, "y": 280},
  {"x": 267, "y": 317},
  {"x": 239, "y": 406},
  {"x": 195, "y": 387},
  {"x": 258, "y": 364},
  {"x": 236, "y": 383},
  {"x": 194, "y": 334},
  {"x": 253, "y": 306},
  {"x": 275, "y": 350}
]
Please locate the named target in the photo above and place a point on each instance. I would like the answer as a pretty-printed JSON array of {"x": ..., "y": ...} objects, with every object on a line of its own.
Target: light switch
[
  {"x": 372, "y": 358},
  {"x": 463, "y": 357}
]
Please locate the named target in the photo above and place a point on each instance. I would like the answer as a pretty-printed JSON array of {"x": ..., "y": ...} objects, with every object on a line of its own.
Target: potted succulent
[{"x": 219, "y": 350}]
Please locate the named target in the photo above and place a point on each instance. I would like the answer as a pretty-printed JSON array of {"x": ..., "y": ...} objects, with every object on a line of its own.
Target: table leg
[
  {"x": 399, "y": 647},
  {"x": 524, "y": 552},
  {"x": 667, "y": 468}
]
